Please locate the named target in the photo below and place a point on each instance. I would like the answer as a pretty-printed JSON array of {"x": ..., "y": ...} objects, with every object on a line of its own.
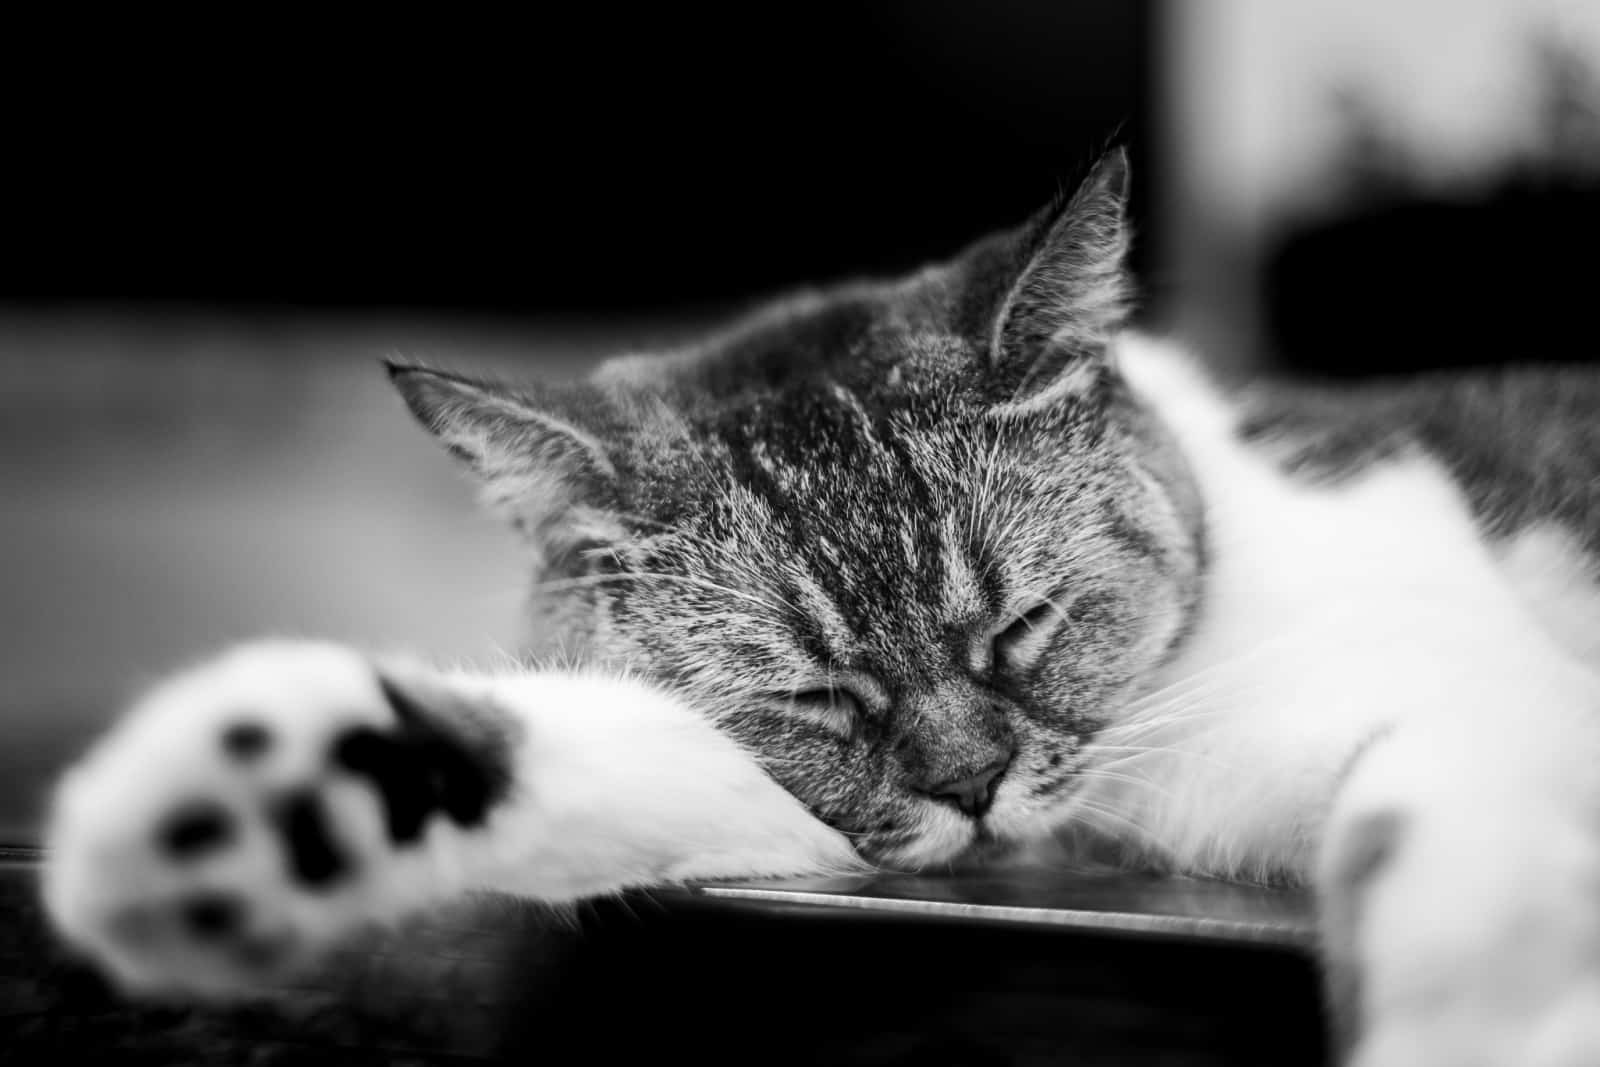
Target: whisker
[
  {"x": 1101, "y": 774},
  {"x": 1190, "y": 688},
  {"x": 1184, "y": 695},
  {"x": 1186, "y": 754},
  {"x": 1176, "y": 713},
  {"x": 1097, "y": 811}
]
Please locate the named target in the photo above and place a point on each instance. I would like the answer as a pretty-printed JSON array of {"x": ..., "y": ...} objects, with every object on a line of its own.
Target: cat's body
[{"x": 954, "y": 561}]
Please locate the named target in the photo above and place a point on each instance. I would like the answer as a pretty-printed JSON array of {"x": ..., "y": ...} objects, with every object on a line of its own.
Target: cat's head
[{"x": 912, "y": 542}]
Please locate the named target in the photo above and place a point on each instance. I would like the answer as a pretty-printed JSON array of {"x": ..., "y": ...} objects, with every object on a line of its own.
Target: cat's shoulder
[
  {"x": 1484, "y": 424},
  {"x": 1522, "y": 444},
  {"x": 1442, "y": 473}
]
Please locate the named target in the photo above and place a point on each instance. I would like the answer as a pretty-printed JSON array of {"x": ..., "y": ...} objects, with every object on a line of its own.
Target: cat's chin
[
  {"x": 945, "y": 839},
  {"x": 956, "y": 842},
  {"x": 979, "y": 848},
  {"x": 986, "y": 850}
]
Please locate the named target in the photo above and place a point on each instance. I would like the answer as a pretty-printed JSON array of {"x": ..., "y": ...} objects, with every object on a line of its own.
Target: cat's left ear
[
  {"x": 548, "y": 475},
  {"x": 1072, "y": 293}
]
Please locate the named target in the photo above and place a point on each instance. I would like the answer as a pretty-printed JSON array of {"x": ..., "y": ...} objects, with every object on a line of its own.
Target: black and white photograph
[{"x": 866, "y": 534}]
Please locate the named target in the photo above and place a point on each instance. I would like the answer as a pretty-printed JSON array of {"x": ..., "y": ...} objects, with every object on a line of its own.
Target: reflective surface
[
  {"x": 1126, "y": 904},
  {"x": 718, "y": 976}
]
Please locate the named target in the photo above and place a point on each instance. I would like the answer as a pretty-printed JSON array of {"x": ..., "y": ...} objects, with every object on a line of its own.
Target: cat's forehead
[
  {"x": 870, "y": 336},
  {"x": 839, "y": 509},
  {"x": 867, "y": 570},
  {"x": 837, "y": 458}
]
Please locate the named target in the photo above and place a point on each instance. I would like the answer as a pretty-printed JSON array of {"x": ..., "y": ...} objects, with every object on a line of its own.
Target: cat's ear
[
  {"x": 546, "y": 474},
  {"x": 1072, "y": 291}
]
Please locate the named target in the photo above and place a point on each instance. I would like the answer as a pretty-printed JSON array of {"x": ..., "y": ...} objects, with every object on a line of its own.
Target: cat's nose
[{"x": 972, "y": 794}]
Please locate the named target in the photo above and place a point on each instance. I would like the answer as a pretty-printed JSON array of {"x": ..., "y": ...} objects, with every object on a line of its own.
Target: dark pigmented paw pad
[
  {"x": 210, "y": 916},
  {"x": 246, "y": 741},
  {"x": 434, "y": 761},
  {"x": 400, "y": 779},
  {"x": 315, "y": 858},
  {"x": 195, "y": 829}
]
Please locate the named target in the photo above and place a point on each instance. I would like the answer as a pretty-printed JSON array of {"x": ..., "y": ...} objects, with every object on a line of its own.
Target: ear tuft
[
  {"x": 498, "y": 432},
  {"x": 549, "y": 477},
  {"x": 1073, "y": 293}
]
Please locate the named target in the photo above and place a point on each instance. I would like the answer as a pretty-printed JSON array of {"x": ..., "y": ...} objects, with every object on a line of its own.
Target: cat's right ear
[
  {"x": 1072, "y": 292},
  {"x": 542, "y": 472},
  {"x": 497, "y": 432}
]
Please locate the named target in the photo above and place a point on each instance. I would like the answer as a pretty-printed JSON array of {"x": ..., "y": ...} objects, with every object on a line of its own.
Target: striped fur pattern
[
  {"x": 827, "y": 527},
  {"x": 907, "y": 572}
]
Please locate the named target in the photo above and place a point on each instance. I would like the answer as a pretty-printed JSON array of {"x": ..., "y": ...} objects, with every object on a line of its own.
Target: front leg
[
  {"x": 252, "y": 812},
  {"x": 1460, "y": 883}
]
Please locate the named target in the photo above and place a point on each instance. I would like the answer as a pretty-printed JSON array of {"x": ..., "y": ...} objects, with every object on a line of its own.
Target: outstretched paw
[{"x": 254, "y": 811}]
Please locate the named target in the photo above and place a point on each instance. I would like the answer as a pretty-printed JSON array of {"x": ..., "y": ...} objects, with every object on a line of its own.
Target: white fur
[
  {"x": 1362, "y": 653},
  {"x": 1329, "y": 613},
  {"x": 1556, "y": 580},
  {"x": 617, "y": 786}
]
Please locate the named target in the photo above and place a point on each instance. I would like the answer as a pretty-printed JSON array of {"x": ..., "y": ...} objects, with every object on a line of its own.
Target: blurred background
[{"x": 213, "y": 231}]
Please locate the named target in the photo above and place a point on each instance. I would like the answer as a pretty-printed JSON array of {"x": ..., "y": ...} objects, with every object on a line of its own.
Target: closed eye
[
  {"x": 1025, "y": 637},
  {"x": 834, "y": 707}
]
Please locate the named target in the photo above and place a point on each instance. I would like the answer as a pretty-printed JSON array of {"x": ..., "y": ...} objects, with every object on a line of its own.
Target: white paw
[{"x": 252, "y": 812}]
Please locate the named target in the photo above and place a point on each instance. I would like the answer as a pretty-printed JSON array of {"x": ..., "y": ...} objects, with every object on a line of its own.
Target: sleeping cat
[{"x": 903, "y": 572}]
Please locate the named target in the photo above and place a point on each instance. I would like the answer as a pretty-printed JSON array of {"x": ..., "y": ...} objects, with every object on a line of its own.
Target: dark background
[
  {"x": 1403, "y": 275},
  {"x": 654, "y": 162},
  {"x": 630, "y": 158}
]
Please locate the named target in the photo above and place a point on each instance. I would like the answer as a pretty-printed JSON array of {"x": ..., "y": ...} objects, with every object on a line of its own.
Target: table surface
[
  {"x": 1018, "y": 968},
  {"x": 1136, "y": 905}
]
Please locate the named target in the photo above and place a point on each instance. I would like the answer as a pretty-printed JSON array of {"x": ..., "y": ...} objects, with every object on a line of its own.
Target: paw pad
[
  {"x": 210, "y": 916},
  {"x": 267, "y": 795},
  {"x": 246, "y": 741},
  {"x": 423, "y": 767},
  {"x": 195, "y": 829},
  {"x": 315, "y": 859}
]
